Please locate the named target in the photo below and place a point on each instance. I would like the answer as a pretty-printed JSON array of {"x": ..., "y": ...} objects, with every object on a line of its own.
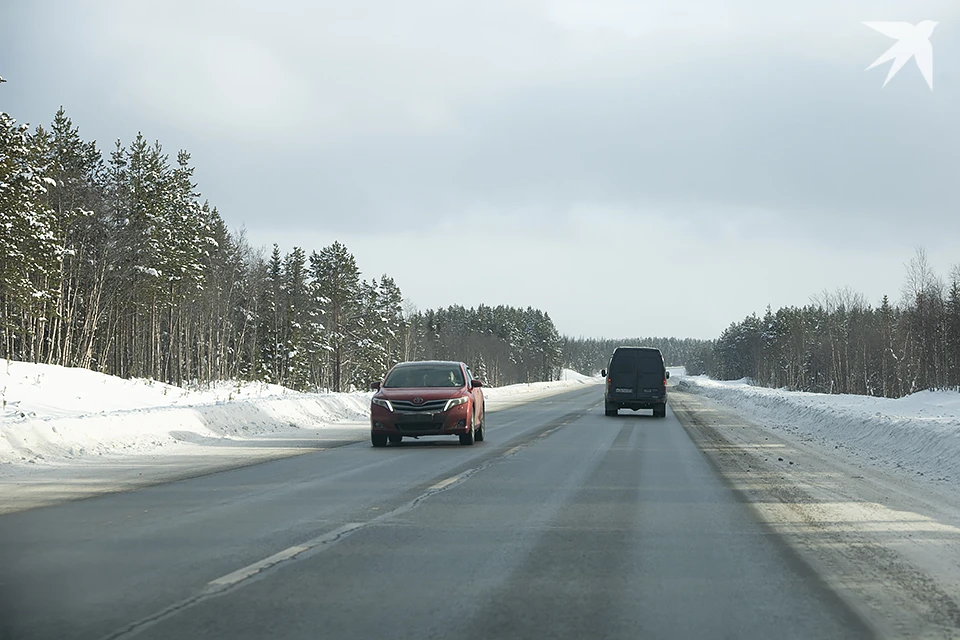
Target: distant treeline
[
  {"x": 838, "y": 343},
  {"x": 501, "y": 344},
  {"x": 590, "y": 355},
  {"x": 116, "y": 264},
  {"x": 841, "y": 344}
]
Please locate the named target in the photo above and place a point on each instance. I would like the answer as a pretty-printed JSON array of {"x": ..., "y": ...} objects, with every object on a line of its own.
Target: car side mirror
[
  {"x": 375, "y": 386},
  {"x": 668, "y": 374},
  {"x": 603, "y": 373},
  {"x": 475, "y": 383}
]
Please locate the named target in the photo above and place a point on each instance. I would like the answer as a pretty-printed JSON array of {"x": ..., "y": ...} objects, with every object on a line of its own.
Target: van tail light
[{"x": 609, "y": 380}]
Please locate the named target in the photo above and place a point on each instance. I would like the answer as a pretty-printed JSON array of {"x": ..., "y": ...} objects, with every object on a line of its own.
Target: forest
[
  {"x": 114, "y": 262},
  {"x": 840, "y": 343}
]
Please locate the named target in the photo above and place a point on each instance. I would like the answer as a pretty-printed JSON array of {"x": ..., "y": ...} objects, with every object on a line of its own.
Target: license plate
[
  {"x": 416, "y": 417},
  {"x": 622, "y": 390}
]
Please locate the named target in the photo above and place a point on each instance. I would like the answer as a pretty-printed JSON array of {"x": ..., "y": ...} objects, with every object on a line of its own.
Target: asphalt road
[{"x": 563, "y": 524}]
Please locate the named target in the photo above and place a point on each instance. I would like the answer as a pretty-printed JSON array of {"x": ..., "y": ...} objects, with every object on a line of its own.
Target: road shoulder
[{"x": 888, "y": 546}]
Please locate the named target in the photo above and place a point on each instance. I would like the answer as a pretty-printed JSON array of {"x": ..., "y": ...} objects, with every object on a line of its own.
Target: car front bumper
[{"x": 420, "y": 423}]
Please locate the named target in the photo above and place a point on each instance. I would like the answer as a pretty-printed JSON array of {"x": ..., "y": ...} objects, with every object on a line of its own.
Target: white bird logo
[{"x": 912, "y": 42}]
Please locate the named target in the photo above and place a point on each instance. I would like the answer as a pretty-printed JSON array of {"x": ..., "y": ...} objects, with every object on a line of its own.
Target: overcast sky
[{"x": 632, "y": 168}]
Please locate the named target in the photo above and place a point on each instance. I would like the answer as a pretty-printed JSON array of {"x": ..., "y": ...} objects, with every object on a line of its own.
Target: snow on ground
[
  {"x": 502, "y": 397},
  {"x": 30, "y": 390},
  {"x": 917, "y": 435},
  {"x": 57, "y": 415}
]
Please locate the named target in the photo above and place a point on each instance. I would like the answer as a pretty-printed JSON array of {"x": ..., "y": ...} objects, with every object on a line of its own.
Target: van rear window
[
  {"x": 624, "y": 363},
  {"x": 629, "y": 363}
]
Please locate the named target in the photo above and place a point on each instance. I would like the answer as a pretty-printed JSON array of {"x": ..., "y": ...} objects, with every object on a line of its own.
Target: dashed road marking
[{"x": 443, "y": 483}]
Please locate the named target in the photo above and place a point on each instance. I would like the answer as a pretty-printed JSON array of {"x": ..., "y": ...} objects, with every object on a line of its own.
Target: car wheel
[
  {"x": 378, "y": 439},
  {"x": 610, "y": 409},
  {"x": 396, "y": 439},
  {"x": 469, "y": 437}
]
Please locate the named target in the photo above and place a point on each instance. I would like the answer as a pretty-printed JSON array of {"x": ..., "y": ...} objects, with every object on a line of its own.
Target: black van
[{"x": 637, "y": 379}]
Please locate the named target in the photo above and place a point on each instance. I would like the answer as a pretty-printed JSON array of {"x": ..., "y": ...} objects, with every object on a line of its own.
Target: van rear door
[
  {"x": 623, "y": 375},
  {"x": 650, "y": 376}
]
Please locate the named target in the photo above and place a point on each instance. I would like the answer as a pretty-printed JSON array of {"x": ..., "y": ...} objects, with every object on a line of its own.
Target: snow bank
[
  {"x": 918, "y": 434},
  {"x": 180, "y": 430},
  {"x": 570, "y": 374},
  {"x": 500, "y": 397},
  {"x": 30, "y": 390}
]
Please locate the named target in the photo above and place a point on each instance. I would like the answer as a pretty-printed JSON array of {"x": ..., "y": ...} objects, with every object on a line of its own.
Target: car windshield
[{"x": 435, "y": 375}]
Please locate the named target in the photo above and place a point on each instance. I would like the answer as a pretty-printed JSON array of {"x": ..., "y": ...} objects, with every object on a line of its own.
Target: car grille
[{"x": 428, "y": 406}]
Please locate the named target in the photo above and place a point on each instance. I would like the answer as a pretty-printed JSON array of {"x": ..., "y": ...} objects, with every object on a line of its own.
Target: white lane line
[
  {"x": 510, "y": 452},
  {"x": 443, "y": 484},
  {"x": 257, "y": 567},
  {"x": 240, "y": 575}
]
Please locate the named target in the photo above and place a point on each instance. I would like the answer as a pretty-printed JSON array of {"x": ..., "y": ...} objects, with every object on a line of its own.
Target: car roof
[
  {"x": 418, "y": 362},
  {"x": 651, "y": 349}
]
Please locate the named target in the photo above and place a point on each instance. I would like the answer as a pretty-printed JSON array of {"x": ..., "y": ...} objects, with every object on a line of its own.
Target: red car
[{"x": 430, "y": 398}]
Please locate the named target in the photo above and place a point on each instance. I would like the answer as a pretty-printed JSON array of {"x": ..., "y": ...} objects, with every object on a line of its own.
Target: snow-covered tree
[
  {"x": 338, "y": 285},
  {"x": 30, "y": 246}
]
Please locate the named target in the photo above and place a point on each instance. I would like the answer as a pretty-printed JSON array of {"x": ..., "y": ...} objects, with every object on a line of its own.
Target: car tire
[
  {"x": 396, "y": 439},
  {"x": 482, "y": 431},
  {"x": 469, "y": 437},
  {"x": 610, "y": 409},
  {"x": 378, "y": 439}
]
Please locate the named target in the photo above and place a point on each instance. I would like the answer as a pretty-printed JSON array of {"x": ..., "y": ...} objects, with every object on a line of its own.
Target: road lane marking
[
  {"x": 255, "y": 568},
  {"x": 235, "y": 577},
  {"x": 443, "y": 484}
]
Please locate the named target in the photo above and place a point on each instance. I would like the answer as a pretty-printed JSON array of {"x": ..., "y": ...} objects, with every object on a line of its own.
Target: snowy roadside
[
  {"x": 822, "y": 472},
  {"x": 69, "y": 433},
  {"x": 918, "y": 435}
]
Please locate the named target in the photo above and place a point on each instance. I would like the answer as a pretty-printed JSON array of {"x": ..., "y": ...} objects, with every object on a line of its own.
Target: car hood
[{"x": 427, "y": 393}]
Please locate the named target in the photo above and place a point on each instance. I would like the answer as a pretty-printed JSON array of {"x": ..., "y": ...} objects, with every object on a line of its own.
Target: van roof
[{"x": 652, "y": 349}]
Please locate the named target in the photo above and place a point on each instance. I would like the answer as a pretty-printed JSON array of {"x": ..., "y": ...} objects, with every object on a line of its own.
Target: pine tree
[
  {"x": 76, "y": 167},
  {"x": 952, "y": 330},
  {"x": 338, "y": 281},
  {"x": 29, "y": 247},
  {"x": 295, "y": 319},
  {"x": 272, "y": 320}
]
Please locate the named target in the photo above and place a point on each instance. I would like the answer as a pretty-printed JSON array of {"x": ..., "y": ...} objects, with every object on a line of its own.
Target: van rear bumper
[{"x": 647, "y": 402}]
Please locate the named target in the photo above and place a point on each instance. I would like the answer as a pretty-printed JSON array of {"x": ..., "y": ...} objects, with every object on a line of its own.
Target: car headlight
[
  {"x": 454, "y": 402},
  {"x": 380, "y": 402}
]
